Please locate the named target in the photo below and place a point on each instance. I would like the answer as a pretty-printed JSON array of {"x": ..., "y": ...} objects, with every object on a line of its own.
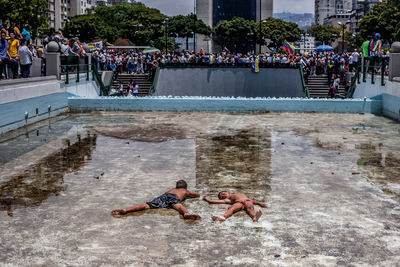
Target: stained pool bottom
[{"x": 331, "y": 181}]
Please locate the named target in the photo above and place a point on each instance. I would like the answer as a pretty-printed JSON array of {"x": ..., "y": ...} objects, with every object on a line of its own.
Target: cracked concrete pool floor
[{"x": 332, "y": 182}]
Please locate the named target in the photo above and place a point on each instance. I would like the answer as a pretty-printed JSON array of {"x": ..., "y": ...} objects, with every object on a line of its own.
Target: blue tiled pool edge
[{"x": 373, "y": 106}]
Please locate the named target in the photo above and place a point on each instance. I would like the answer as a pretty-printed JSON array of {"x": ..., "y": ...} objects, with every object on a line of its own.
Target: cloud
[{"x": 294, "y": 6}]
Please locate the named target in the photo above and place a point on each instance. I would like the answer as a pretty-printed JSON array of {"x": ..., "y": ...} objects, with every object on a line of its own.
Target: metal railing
[
  {"x": 74, "y": 65},
  {"x": 155, "y": 81},
  {"x": 374, "y": 65},
  {"x": 303, "y": 82},
  {"x": 354, "y": 80}
]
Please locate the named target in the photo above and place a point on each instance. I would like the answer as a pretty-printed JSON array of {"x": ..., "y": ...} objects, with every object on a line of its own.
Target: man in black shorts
[{"x": 170, "y": 200}]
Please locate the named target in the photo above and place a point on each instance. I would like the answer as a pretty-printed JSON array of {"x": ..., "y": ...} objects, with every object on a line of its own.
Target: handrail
[
  {"x": 303, "y": 82},
  {"x": 155, "y": 81},
  {"x": 354, "y": 81},
  {"x": 66, "y": 65},
  {"x": 371, "y": 66},
  {"x": 97, "y": 77}
]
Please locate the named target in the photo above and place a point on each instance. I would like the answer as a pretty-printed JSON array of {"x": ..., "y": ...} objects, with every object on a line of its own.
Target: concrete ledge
[
  {"x": 29, "y": 88},
  {"x": 226, "y": 104},
  {"x": 26, "y": 80}
]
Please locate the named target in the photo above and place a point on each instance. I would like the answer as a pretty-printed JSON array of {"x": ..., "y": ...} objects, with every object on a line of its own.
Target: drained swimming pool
[{"x": 332, "y": 182}]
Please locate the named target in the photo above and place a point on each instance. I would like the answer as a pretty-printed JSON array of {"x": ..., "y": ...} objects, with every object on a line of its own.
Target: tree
[
  {"x": 187, "y": 26},
  {"x": 236, "y": 34},
  {"x": 277, "y": 31},
  {"x": 21, "y": 12},
  {"x": 136, "y": 22},
  {"x": 383, "y": 18},
  {"x": 324, "y": 33}
]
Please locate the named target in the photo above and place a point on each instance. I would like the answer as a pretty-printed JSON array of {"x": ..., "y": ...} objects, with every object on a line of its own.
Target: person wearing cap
[
  {"x": 375, "y": 46},
  {"x": 374, "y": 50}
]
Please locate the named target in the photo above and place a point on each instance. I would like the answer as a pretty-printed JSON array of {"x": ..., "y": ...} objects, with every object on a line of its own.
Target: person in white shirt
[
  {"x": 136, "y": 90},
  {"x": 25, "y": 58}
]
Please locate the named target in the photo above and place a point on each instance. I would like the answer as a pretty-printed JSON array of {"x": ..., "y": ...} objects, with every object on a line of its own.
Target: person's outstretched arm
[
  {"x": 192, "y": 194},
  {"x": 222, "y": 201},
  {"x": 255, "y": 202}
]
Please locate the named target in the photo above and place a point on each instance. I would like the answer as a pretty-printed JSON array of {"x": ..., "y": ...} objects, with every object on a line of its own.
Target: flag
[
  {"x": 288, "y": 47},
  {"x": 255, "y": 65}
]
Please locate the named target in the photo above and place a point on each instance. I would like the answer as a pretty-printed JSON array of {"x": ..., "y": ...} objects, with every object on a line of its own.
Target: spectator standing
[
  {"x": 4, "y": 56},
  {"x": 25, "y": 58},
  {"x": 13, "y": 45},
  {"x": 26, "y": 33},
  {"x": 136, "y": 90},
  {"x": 65, "y": 48}
]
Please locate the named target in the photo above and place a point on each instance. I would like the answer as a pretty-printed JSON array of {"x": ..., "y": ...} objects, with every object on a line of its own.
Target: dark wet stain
[
  {"x": 144, "y": 133},
  {"x": 383, "y": 167},
  {"x": 240, "y": 161},
  {"x": 45, "y": 178}
]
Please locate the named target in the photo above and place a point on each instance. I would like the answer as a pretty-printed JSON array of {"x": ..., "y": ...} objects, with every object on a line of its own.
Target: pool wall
[
  {"x": 389, "y": 94},
  {"x": 229, "y": 81},
  {"x": 25, "y": 101},
  {"x": 224, "y": 104}
]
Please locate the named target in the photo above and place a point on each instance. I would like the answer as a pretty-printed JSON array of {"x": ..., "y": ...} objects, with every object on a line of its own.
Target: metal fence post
[
  {"x": 77, "y": 71},
  {"x": 373, "y": 70}
]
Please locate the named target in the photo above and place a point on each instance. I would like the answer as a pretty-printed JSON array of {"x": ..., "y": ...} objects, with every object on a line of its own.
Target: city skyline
[{"x": 176, "y": 7}]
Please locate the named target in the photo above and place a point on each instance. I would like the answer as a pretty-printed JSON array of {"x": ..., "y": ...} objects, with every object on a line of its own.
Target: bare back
[{"x": 182, "y": 193}]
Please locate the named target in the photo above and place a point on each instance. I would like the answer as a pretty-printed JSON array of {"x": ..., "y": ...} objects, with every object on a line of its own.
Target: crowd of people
[{"x": 16, "y": 51}]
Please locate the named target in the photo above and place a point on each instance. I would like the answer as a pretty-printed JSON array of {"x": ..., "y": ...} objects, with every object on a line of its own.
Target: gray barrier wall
[{"x": 236, "y": 82}]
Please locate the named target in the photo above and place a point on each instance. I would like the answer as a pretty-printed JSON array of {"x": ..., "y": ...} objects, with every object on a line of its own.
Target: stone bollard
[
  {"x": 394, "y": 64},
  {"x": 53, "y": 59}
]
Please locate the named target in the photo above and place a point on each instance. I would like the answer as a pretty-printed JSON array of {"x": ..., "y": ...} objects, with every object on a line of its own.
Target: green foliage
[
  {"x": 136, "y": 22},
  {"x": 238, "y": 33},
  {"x": 187, "y": 26},
  {"x": 324, "y": 33},
  {"x": 278, "y": 31},
  {"x": 31, "y": 12},
  {"x": 235, "y": 34},
  {"x": 383, "y": 18}
]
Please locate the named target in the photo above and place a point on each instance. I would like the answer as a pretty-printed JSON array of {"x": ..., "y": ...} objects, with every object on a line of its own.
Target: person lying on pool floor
[
  {"x": 239, "y": 202},
  {"x": 170, "y": 200}
]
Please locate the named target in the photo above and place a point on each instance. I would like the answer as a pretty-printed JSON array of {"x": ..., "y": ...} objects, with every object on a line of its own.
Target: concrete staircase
[
  {"x": 318, "y": 87},
  {"x": 142, "y": 80}
]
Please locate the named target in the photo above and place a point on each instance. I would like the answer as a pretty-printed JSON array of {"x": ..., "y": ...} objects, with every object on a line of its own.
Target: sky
[{"x": 176, "y": 7}]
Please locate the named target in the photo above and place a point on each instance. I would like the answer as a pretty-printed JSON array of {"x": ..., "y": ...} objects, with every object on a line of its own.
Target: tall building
[
  {"x": 359, "y": 9},
  {"x": 328, "y": 8},
  {"x": 60, "y": 11},
  {"x": 211, "y": 12}
]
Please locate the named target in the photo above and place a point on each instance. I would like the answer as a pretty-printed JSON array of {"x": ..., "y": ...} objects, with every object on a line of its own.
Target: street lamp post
[
  {"x": 343, "y": 25},
  {"x": 260, "y": 26},
  {"x": 166, "y": 34},
  {"x": 194, "y": 35}
]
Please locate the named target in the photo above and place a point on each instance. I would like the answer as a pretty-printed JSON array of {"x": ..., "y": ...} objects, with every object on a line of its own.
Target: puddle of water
[
  {"x": 46, "y": 178},
  {"x": 240, "y": 162}
]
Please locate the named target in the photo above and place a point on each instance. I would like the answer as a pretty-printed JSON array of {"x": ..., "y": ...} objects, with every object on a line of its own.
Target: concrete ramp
[{"x": 236, "y": 82}]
